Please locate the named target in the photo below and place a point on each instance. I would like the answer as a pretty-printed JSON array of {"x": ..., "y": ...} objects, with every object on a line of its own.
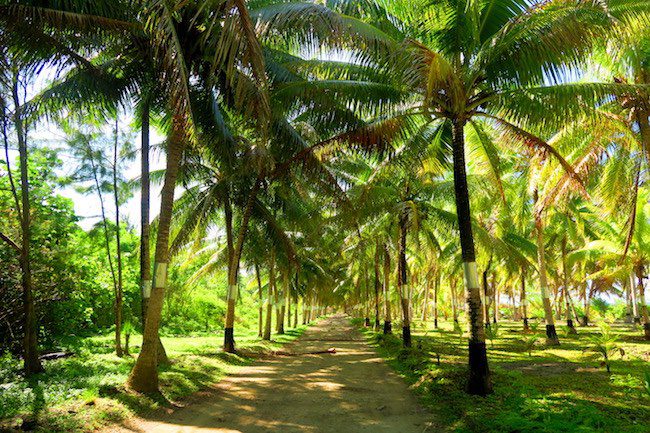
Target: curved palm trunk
[
  {"x": 402, "y": 284},
  {"x": 643, "y": 309},
  {"x": 388, "y": 325},
  {"x": 32, "y": 363},
  {"x": 144, "y": 376},
  {"x": 479, "y": 382},
  {"x": 551, "y": 334},
  {"x": 145, "y": 256}
]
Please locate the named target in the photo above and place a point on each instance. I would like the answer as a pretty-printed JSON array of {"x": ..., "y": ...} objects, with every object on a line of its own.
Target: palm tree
[{"x": 463, "y": 60}]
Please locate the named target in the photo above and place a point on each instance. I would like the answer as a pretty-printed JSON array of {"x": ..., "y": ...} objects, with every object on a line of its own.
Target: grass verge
[
  {"x": 549, "y": 390},
  {"x": 86, "y": 391}
]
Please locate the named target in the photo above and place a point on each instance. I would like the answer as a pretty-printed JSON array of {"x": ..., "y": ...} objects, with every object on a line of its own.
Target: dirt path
[{"x": 350, "y": 391}]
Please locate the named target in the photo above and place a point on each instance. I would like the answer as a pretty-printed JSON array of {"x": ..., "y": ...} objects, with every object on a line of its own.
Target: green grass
[
  {"x": 86, "y": 391},
  {"x": 560, "y": 389}
]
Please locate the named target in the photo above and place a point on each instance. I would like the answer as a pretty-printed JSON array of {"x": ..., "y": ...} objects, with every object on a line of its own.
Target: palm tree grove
[{"x": 325, "y": 216}]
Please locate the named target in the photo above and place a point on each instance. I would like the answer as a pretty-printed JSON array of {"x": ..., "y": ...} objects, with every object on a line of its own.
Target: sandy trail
[{"x": 350, "y": 391}]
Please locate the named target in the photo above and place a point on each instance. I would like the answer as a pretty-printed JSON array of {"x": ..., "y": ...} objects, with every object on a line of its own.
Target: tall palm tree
[{"x": 464, "y": 59}]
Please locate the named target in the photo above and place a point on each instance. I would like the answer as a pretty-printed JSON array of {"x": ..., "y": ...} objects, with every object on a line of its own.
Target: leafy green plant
[
  {"x": 529, "y": 343},
  {"x": 492, "y": 333},
  {"x": 646, "y": 381},
  {"x": 605, "y": 345}
]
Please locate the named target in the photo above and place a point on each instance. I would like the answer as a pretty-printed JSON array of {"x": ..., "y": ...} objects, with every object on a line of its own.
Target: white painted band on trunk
[
  {"x": 471, "y": 275},
  {"x": 160, "y": 277},
  {"x": 146, "y": 289},
  {"x": 232, "y": 291}
]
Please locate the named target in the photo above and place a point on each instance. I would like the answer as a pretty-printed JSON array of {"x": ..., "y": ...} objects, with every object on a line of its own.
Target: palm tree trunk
[
  {"x": 486, "y": 298},
  {"x": 635, "y": 303},
  {"x": 269, "y": 299},
  {"x": 643, "y": 309},
  {"x": 377, "y": 284},
  {"x": 497, "y": 298},
  {"x": 551, "y": 334},
  {"x": 479, "y": 382},
  {"x": 425, "y": 304},
  {"x": 145, "y": 256},
  {"x": 454, "y": 305},
  {"x": 144, "y": 376},
  {"x": 118, "y": 248},
  {"x": 288, "y": 303},
  {"x": 567, "y": 296},
  {"x": 436, "y": 289},
  {"x": 233, "y": 271},
  {"x": 31, "y": 361},
  {"x": 260, "y": 300},
  {"x": 524, "y": 302},
  {"x": 295, "y": 310},
  {"x": 388, "y": 325},
  {"x": 279, "y": 308},
  {"x": 403, "y": 284},
  {"x": 629, "y": 318}
]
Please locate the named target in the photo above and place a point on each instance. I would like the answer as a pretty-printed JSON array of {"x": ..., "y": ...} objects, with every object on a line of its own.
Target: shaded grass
[
  {"x": 86, "y": 391},
  {"x": 560, "y": 389}
]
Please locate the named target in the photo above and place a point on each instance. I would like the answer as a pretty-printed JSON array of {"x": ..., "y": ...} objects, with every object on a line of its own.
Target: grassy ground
[
  {"x": 561, "y": 389},
  {"x": 86, "y": 391}
]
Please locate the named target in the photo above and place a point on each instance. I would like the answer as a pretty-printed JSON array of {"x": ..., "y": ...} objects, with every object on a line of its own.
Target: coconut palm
[{"x": 450, "y": 63}]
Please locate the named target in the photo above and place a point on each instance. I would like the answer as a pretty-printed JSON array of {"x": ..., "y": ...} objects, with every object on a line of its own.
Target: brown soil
[{"x": 351, "y": 390}]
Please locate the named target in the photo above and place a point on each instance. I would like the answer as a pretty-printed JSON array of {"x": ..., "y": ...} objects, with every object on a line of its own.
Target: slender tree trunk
[
  {"x": 403, "y": 283},
  {"x": 436, "y": 288},
  {"x": 479, "y": 382},
  {"x": 586, "y": 299},
  {"x": 524, "y": 302},
  {"x": 629, "y": 318},
  {"x": 31, "y": 361},
  {"x": 551, "y": 334},
  {"x": 145, "y": 256},
  {"x": 269, "y": 299},
  {"x": 144, "y": 376},
  {"x": 635, "y": 303},
  {"x": 388, "y": 324},
  {"x": 496, "y": 297},
  {"x": 233, "y": 271},
  {"x": 425, "y": 304},
  {"x": 279, "y": 307},
  {"x": 118, "y": 248},
  {"x": 260, "y": 300},
  {"x": 454, "y": 304},
  {"x": 567, "y": 296},
  {"x": 107, "y": 241},
  {"x": 643, "y": 309},
  {"x": 377, "y": 284},
  {"x": 295, "y": 311}
]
